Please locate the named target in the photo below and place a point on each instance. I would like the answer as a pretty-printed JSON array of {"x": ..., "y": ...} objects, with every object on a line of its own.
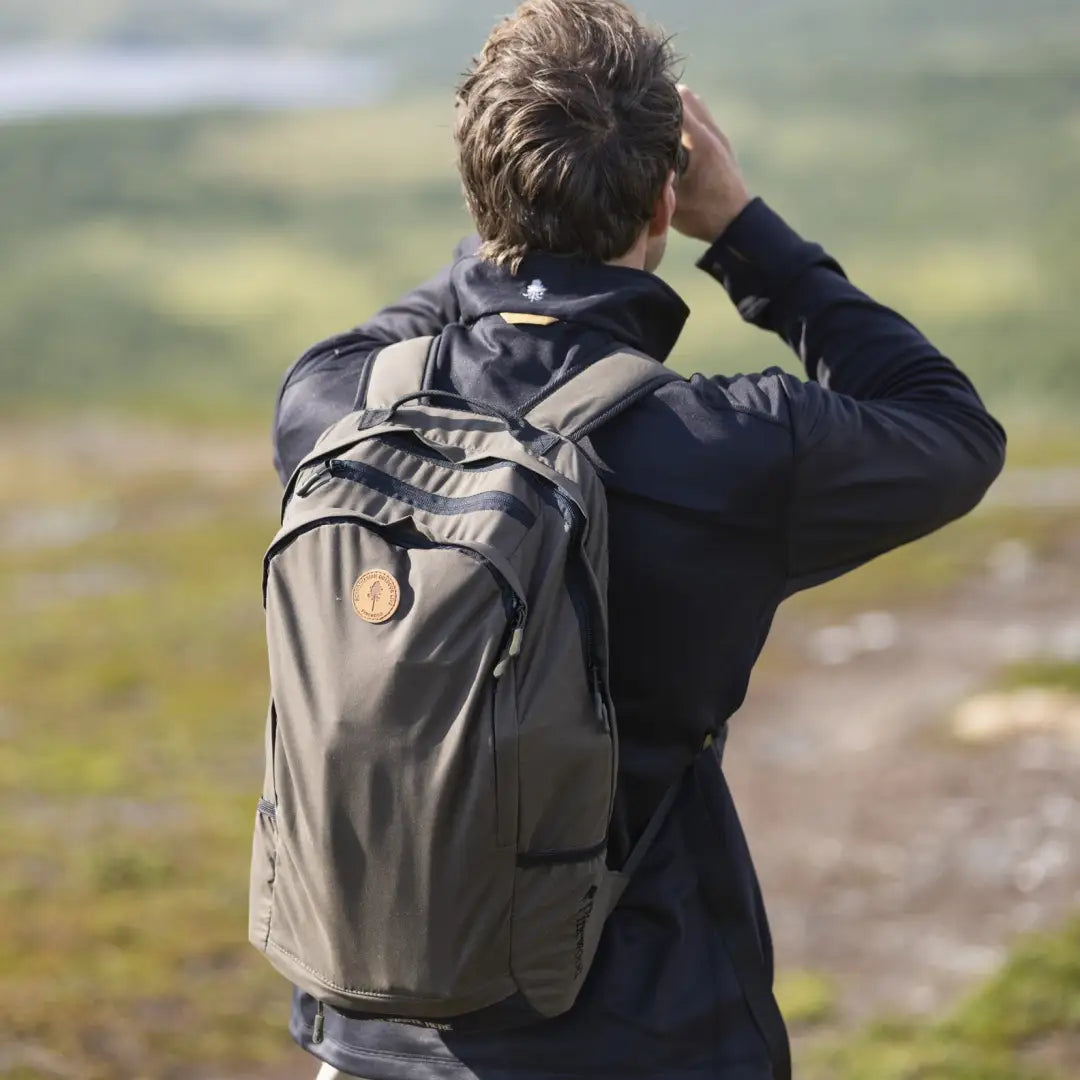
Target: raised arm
[{"x": 889, "y": 439}]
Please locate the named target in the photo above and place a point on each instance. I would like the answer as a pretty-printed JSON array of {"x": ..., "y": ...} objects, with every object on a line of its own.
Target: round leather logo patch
[{"x": 376, "y": 596}]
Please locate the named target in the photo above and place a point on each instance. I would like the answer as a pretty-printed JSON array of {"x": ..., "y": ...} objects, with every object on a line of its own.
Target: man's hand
[{"x": 712, "y": 193}]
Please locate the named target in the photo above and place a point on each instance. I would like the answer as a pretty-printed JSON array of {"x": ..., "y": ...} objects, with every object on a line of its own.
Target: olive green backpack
[{"x": 441, "y": 750}]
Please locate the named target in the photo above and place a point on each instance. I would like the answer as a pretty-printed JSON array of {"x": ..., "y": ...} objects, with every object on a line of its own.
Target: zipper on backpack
[
  {"x": 319, "y": 474},
  {"x": 582, "y": 598},
  {"x": 577, "y": 585},
  {"x": 517, "y": 610},
  {"x": 516, "y": 607},
  {"x": 515, "y": 642},
  {"x": 393, "y": 488},
  {"x": 599, "y": 702},
  {"x": 319, "y": 1026}
]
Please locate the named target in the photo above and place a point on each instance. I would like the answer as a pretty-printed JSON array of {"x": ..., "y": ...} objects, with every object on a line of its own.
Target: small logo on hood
[{"x": 536, "y": 291}]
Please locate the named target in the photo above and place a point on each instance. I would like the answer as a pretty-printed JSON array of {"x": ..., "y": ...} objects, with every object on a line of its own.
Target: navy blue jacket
[{"x": 726, "y": 495}]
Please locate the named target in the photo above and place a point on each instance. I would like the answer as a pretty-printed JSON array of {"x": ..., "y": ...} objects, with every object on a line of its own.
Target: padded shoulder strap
[
  {"x": 396, "y": 371},
  {"x": 598, "y": 394}
]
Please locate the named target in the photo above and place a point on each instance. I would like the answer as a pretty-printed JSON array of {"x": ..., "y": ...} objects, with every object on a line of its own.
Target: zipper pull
[
  {"x": 600, "y": 702},
  {"x": 319, "y": 1025},
  {"x": 317, "y": 477},
  {"x": 601, "y": 707},
  {"x": 517, "y": 638}
]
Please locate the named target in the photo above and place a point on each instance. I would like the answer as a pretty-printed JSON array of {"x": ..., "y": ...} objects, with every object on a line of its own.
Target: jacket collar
[{"x": 634, "y": 307}]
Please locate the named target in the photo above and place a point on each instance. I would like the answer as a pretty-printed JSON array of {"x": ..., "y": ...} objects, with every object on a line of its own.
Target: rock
[
  {"x": 1065, "y": 643},
  {"x": 1031, "y": 710},
  {"x": 870, "y": 632},
  {"x": 834, "y": 645},
  {"x": 1011, "y": 562},
  {"x": 1018, "y": 642},
  {"x": 877, "y": 631}
]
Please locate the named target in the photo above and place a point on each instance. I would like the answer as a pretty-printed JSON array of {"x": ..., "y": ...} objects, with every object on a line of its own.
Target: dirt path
[{"x": 894, "y": 858}]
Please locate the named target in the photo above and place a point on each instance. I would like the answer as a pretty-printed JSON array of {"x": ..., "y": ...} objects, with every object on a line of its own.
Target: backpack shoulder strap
[
  {"x": 396, "y": 371},
  {"x": 598, "y": 394}
]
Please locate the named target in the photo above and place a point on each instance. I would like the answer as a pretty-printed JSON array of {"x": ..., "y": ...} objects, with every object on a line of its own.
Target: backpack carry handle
[
  {"x": 572, "y": 409},
  {"x": 521, "y": 429}
]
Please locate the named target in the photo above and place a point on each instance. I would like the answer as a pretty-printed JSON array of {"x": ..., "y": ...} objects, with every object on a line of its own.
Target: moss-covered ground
[{"x": 132, "y": 696}]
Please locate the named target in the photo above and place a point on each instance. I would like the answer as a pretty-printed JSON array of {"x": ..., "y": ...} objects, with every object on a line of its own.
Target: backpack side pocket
[{"x": 263, "y": 872}]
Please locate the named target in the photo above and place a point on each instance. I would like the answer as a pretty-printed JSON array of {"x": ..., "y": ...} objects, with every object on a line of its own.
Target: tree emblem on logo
[{"x": 375, "y": 594}]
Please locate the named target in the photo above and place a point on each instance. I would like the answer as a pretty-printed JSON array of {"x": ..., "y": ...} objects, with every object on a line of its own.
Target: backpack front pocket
[{"x": 391, "y": 888}]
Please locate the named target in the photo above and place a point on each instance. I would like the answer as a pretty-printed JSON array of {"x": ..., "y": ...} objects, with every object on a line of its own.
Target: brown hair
[{"x": 569, "y": 123}]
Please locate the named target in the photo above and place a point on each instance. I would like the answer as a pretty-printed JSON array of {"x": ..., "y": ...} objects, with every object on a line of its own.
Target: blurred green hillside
[{"x": 178, "y": 263}]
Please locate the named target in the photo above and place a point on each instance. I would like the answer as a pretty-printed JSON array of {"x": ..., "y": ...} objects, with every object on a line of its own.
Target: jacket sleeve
[
  {"x": 321, "y": 386},
  {"x": 889, "y": 440}
]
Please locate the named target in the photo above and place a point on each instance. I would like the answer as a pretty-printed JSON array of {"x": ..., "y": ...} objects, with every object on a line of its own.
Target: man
[{"x": 726, "y": 495}]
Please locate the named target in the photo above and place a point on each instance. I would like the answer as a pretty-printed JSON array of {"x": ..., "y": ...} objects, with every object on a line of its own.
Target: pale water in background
[{"x": 40, "y": 82}]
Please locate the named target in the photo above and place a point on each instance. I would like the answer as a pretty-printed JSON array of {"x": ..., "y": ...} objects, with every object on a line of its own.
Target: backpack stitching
[
  {"x": 624, "y": 403},
  {"x": 330, "y": 984}
]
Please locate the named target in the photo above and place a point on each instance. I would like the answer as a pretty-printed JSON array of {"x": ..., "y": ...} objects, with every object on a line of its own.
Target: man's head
[{"x": 568, "y": 129}]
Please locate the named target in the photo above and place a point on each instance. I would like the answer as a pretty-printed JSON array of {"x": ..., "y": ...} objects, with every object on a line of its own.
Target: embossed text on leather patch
[{"x": 376, "y": 596}]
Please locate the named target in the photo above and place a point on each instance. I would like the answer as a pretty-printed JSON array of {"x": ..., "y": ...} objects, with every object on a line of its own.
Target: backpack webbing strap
[
  {"x": 736, "y": 928},
  {"x": 598, "y": 394},
  {"x": 396, "y": 371}
]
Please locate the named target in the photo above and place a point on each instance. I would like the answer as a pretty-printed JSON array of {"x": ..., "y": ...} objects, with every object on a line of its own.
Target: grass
[
  {"x": 131, "y": 705},
  {"x": 806, "y": 998},
  {"x": 1052, "y": 674},
  {"x": 1023, "y": 1024},
  {"x": 132, "y": 697}
]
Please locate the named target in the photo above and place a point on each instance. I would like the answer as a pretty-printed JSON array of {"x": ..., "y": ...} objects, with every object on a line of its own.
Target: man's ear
[{"x": 664, "y": 210}]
